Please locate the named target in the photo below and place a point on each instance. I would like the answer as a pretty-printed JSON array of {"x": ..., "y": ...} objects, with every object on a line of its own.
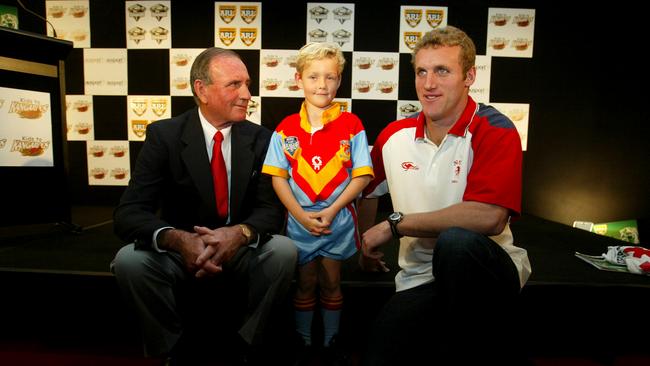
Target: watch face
[{"x": 395, "y": 216}]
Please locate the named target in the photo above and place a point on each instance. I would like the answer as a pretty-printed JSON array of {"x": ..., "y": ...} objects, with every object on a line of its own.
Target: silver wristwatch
[{"x": 394, "y": 219}]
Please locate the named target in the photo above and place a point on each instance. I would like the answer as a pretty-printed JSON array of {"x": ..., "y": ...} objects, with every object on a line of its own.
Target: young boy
[{"x": 320, "y": 163}]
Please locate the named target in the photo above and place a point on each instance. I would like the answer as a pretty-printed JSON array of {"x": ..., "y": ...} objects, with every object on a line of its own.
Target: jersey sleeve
[
  {"x": 495, "y": 176},
  {"x": 275, "y": 163},
  {"x": 378, "y": 186},
  {"x": 360, "y": 153}
]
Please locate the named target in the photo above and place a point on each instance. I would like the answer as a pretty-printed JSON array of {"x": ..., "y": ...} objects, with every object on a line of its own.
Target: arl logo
[
  {"x": 227, "y": 13},
  {"x": 227, "y": 35},
  {"x": 248, "y": 35},
  {"x": 139, "y": 127},
  {"x": 139, "y": 105},
  {"x": 413, "y": 16},
  {"x": 412, "y": 38},
  {"x": 248, "y": 13},
  {"x": 159, "y": 106},
  {"x": 409, "y": 165},
  {"x": 434, "y": 17}
]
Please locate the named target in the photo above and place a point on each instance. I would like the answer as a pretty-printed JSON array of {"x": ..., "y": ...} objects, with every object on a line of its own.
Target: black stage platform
[
  {"x": 88, "y": 250},
  {"x": 56, "y": 284}
]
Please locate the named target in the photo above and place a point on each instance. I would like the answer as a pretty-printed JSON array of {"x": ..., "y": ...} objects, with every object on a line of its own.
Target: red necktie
[{"x": 220, "y": 176}]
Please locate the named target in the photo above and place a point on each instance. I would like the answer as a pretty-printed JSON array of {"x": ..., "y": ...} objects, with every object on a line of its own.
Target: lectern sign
[{"x": 25, "y": 128}]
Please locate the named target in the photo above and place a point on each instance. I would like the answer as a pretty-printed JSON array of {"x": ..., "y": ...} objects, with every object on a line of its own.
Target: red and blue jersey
[{"x": 319, "y": 165}]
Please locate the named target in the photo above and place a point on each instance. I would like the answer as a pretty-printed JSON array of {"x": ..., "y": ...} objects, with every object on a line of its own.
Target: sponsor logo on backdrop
[
  {"x": 30, "y": 146},
  {"x": 227, "y": 35},
  {"x": 317, "y": 35},
  {"x": 159, "y": 11},
  {"x": 118, "y": 151},
  {"x": 412, "y": 38},
  {"x": 435, "y": 17},
  {"x": 26, "y": 108},
  {"x": 119, "y": 173},
  {"x": 318, "y": 13},
  {"x": 139, "y": 105},
  {"x": 159, "y": 106},
  {"x": 413, "y": 17},
  {"x": 159, "y": 34},
  {"x": 139, "y": 127},
  {"x": 341, "y": 36},
  {"x": 97, "y": 151},
  {"x": 227, "y": 13},
  {"x": 82, "y": 128},
  {"x": 136, "y": 11},
  {"x": 136, "y": 34},
  {"x": 248, "y": 35},
  {"x": 98, "y": 173},
  {"x": 342, "y": 14},
  {"x": 248, "y": 13}
]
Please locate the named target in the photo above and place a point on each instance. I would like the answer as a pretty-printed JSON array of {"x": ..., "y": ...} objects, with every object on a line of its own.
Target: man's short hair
[
  {"x": 201, "y": 66},
  {"x": 449, "y": 36}
]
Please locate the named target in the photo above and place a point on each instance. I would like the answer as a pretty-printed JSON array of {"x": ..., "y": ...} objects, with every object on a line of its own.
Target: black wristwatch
[{"x": 394, "y": 219}]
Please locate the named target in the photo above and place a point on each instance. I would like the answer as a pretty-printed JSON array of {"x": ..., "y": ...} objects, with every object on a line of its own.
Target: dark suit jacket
[{"x": 172, "y": 182}]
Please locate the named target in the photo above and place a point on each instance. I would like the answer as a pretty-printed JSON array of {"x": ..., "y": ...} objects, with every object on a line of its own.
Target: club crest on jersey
[
  {"x": 317, "y": 162},
  {"x": 291, "y": 145},
  {"x": 457, "y": 168},
  {"x": 344, "y": 150}
]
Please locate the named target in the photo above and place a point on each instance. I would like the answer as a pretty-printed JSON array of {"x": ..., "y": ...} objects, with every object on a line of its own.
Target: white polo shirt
[{"x": 479, "y": 160}]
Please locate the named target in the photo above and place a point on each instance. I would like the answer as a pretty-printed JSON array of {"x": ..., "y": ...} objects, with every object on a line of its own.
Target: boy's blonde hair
[{"x": 318, "y": 51}]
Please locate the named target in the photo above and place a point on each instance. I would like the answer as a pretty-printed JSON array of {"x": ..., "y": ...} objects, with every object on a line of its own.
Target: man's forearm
[
  {"x": 171, "y": 239},
  {"x": 480, "y": 217}
]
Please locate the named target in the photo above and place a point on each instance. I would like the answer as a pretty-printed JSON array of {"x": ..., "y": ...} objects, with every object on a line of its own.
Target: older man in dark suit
[{"x": 186, "y": 222}]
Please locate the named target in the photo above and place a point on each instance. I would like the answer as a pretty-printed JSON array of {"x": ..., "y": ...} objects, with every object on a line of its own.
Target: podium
[{"x": 33, "y": 152}]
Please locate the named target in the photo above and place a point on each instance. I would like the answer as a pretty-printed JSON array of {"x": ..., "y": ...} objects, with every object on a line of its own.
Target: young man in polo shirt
[{"x": 453, "y": 172}]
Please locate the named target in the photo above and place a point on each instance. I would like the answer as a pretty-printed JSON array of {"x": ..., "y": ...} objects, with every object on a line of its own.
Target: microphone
[{"x": 38, "y": 16}]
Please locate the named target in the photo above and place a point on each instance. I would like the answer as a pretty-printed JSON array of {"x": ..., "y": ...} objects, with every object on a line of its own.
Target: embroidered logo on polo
[
  {"x": 409, "y": 165},
  {"x": 457, "y": 168}
]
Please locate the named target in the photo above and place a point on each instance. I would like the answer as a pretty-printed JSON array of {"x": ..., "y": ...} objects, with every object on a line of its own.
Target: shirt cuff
[
  {"x": 255, "y": 243},
  {"x": 155, "y": 236}
]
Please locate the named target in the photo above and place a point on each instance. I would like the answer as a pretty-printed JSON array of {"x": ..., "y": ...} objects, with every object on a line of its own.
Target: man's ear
[
  {"x": 199, "y": 89},
  {"x": 470, "y": 77}
]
